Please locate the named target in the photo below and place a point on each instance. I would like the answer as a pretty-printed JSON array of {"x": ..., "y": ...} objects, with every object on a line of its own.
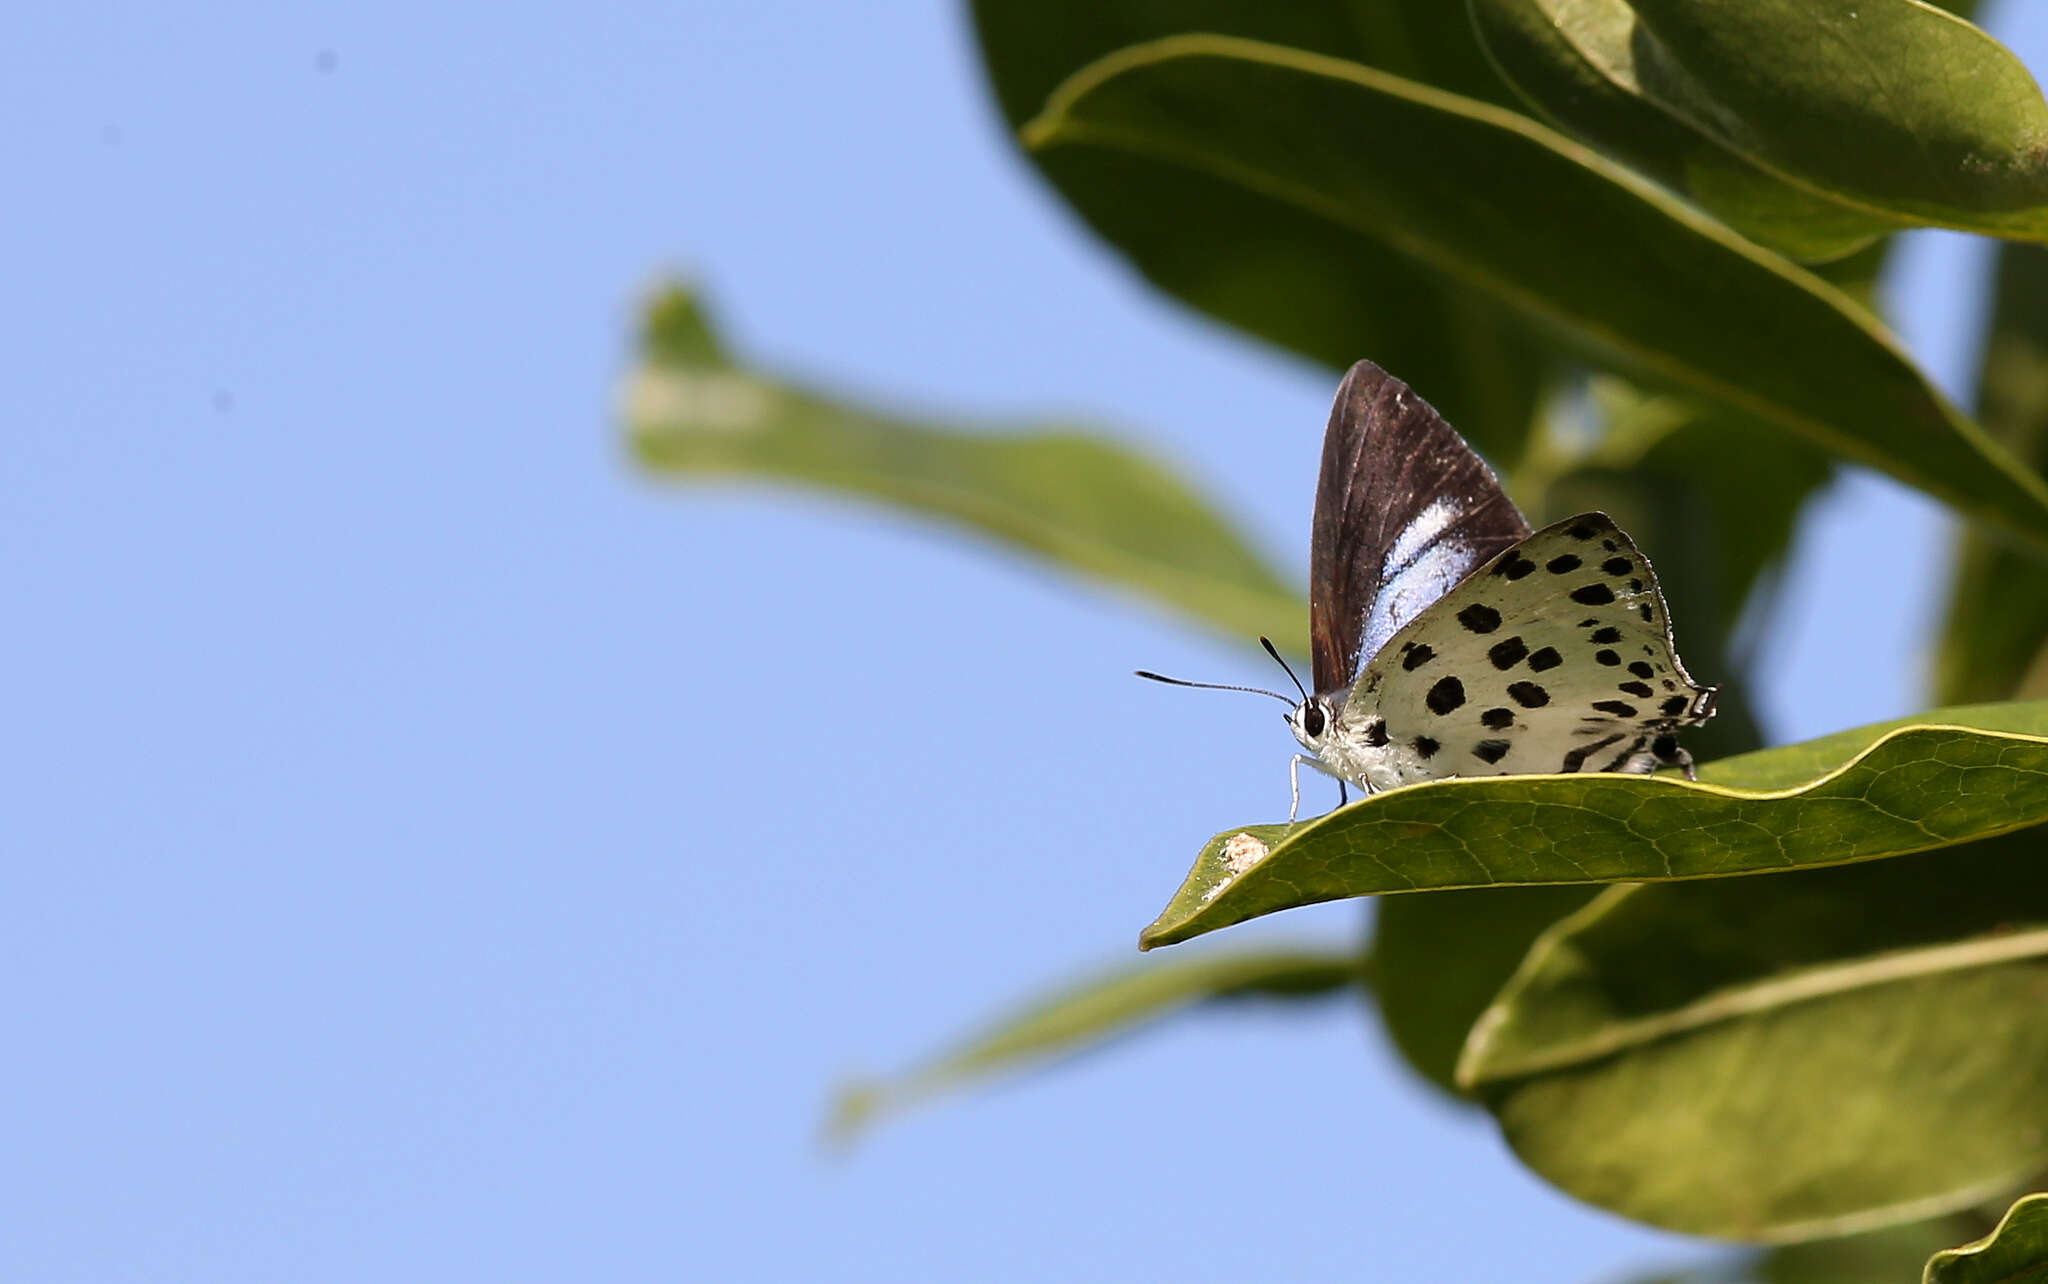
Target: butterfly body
[
  {"x": 1449, "y": 640},
  {"x": 1361, "y": 751}
]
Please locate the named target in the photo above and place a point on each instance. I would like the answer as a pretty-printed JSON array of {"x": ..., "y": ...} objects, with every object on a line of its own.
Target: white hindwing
[{"x": 1554, "y": 656}]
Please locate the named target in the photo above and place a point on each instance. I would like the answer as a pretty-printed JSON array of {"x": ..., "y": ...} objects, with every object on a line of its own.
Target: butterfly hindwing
[
  {"x": 1404, "y": 511},
  {"x": 1556, "y": 655}
]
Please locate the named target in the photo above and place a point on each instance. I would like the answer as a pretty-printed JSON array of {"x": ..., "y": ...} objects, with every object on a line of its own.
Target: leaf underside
[
  {"x": 1393, "y": 165},
  {"x": 1790, "y": 1058}
]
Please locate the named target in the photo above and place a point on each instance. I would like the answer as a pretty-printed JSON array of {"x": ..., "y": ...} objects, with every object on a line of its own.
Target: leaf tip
[
  {"x": 854, "y": 1109},
  {"x": 1037, "y": 133},
  {"x": 676, "y": 328}
]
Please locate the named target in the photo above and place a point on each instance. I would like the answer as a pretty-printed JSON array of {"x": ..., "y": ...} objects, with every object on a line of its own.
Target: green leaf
[
  {"x": 1444, "y": 181},
  {"x": 2015, "y": 1253},
  {"x": 1992, "y": 646},
  {"x": 1116, "y": 1003},
  {"x": 1570, "y": 60},
  {"x": 1441, "y": 957},
  {"x": 1284, "y": 275},
  {"x": 1788, "y": 1058},
  {"x": 1944, "y": 777},
  {"x": 1890, "y": 104},
  {"x": 1072, "y": 499},
  {"x": 1812, "y": 129}
]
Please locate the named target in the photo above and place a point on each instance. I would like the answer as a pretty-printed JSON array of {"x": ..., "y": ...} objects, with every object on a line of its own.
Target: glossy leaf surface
[{"x": 1944, "y": 777}]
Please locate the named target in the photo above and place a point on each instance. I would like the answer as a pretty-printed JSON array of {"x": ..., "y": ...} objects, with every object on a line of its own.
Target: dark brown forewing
[{"x": 1404, "y": 510}]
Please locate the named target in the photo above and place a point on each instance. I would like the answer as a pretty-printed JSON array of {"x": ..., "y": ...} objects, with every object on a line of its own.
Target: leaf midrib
[{"x": 1763, "y": 996}]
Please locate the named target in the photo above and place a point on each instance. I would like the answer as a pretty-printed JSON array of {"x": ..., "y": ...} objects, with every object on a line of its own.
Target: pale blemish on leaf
[
  {"x": 668, "y": 400},
  {"x": 1240, "y": 852}
]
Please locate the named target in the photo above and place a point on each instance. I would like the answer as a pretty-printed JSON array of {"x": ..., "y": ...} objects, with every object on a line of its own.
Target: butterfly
[{"x": 1448, "y": 639}]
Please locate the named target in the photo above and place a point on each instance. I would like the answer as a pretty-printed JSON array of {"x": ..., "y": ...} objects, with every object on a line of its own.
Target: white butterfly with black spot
[{"x": 1447, "y": 640}]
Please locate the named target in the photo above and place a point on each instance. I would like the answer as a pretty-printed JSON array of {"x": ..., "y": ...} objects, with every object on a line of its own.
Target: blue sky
[{"x": 436, "y": 851}]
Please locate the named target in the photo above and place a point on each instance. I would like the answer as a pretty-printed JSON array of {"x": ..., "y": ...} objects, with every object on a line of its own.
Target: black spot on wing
[
  {"x": 1547, "y": 658},
  {"x": 1617, "y": 566},
  {"x": 1514, "y": 566},
  {"x": 1563, "y": 564},
  {"x": 1608, "y": 658},
  {"x": 1593, "y": 595},
  {"x": 1376, "y": 732},
  {"x": 1675, "y": 706},
  {"x": 1506, "y": 655},
  {"x": 1640, "y": 668},
  {"x": 1445, "y": 696},
  {"x": 1621, "y": 759},
  {"x": 1425, "y": 747},
  {"x": 1607, "y": 636},
  {"x": 1479, "y": 618},
  {"x": 1576, "y": 759},
  {"x": 1416, "y": 656},
  {"x": 1584, "y": 530},
  {"x": 1639, "y": 689},
  {"x": 1528, "y": 695},
  {"x": 1645, "y": 611},
  {"x": 1490, "y": 751},
  {"x": 1635, "y": 586},
  {"x": 1615, "y": 707},
  {"x": 1498, "y": 719}
]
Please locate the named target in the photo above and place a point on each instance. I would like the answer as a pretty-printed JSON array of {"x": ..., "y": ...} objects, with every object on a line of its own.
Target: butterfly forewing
[
  {"x": 1404, "y": 511},
  {"x": 1554, "y": 656}
]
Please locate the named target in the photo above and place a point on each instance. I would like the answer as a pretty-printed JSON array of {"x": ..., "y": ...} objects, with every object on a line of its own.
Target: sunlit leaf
[
  {"x": 1892, "y": 104},
  {"x": 1810, "y": 128},
  {"x": 1562, "y": 57},
  {"x": 1947, "y": 776}
]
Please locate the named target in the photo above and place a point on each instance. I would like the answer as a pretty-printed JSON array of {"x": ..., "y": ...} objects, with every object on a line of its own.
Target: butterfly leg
[
  {"x": 1294, "y": 785},
  {"x": 1672, "y": 754}
]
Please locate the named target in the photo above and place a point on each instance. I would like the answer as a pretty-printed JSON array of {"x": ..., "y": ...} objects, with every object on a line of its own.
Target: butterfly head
[{"x": 1312, "y": 719}]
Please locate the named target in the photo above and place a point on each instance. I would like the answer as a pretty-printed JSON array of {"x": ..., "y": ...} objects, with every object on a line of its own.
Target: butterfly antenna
[
  {"x": 1212, "y": 686},
  {"x": 1274, "y": 652}
]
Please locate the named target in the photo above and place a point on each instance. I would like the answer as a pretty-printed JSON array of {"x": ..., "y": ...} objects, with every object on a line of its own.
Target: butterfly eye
[{"x": 1312, "y": 718}]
